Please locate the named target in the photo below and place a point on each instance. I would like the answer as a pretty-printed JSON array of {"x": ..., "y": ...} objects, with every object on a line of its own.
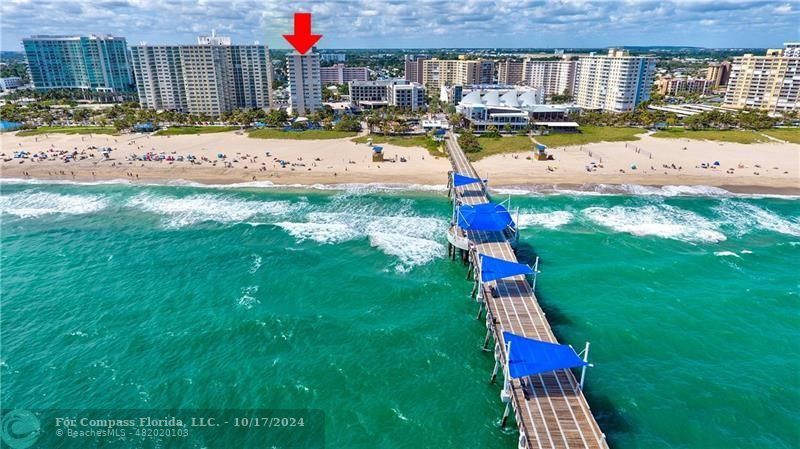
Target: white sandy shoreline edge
[{"x": 514, "y": 190}]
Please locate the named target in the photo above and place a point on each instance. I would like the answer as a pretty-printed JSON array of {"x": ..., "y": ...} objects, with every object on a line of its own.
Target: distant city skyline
[{"x": 426, "y": 24}]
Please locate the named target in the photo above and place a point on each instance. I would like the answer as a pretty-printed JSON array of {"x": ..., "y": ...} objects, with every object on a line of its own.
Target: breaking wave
[
  {"x": 411, "y": 251},
  {"x": 549, "y": 220},
  {"x": 744, "y": 217},
  {"x": 34, "y": 204},
  {"x": 186, "y": 211},
  {"x": 412, "y": 239},
  {"x": 319, "y": 232},
  {"x": 656, "y": 220}
]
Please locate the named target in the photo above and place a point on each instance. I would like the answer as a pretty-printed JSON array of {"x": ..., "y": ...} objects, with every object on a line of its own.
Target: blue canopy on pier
[
  {"x": 493, "y": 269},
  {"x": 484, "y": 217},
  {"x": 528, "y": 356},
  {"x": 461, "y": 180}
]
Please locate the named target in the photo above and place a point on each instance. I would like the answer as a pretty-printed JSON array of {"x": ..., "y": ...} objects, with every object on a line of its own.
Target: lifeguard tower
[
  {"x": 541, "y": 153},
  {"x": 377, "y": 153}
]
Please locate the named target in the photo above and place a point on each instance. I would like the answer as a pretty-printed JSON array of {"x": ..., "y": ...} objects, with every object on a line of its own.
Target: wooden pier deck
[{"x": 550, "y": 408}]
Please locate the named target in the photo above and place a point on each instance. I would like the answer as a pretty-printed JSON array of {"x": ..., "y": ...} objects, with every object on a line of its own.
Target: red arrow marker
[{"x": 302, "y": 40}]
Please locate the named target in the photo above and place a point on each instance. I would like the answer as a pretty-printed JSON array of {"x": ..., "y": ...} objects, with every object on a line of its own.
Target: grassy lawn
[
  {"x": 405, "y": 141},
  {"x": 67, "y": 130},
  {"x": 788, "y": 134},
  {"x": 179, "y": 130},
  {"x": 312, "y": 134},
  {"x": 497, "y": 145},
  {"x": 591, "y": 134},
  {"x": 732, "y": 135}
]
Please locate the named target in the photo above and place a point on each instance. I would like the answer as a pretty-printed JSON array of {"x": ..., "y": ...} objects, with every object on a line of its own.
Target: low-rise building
[
  {"x": 408, "y": 96},
  {"x": 10, "y": 83},
  {"x": 484, "y": 108},
  {"x": 333, "y": 57},
  {"x": 684, "y": 85},
  {"x": 454, "y": 94},
  {"x": 341, "y": 74},
  {"x": 397, "y": 92}
]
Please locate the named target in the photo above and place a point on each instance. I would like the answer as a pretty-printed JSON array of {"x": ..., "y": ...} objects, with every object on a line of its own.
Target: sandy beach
[
  {"x": 753, "y": 168},
  {"x": 246, "y": 160}
]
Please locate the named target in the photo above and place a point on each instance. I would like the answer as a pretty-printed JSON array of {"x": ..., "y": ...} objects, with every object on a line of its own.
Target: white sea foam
[
  {"x": 669, "y": 190},
  {"x": 34, "y": 181},
  {"x": 180, "y": 212},
  {"x": 726, "y": 254},
  {"x": 631, "y": 189},
  {"x": 255, "y": 265},
  {"x": 411, "y": 251},
  {"x": 516, "y": 191},
  {"x": 549, "y": 220},
  {"x": 34, "y": 204},
  {"x": 247, "y": 298},
  {"x": 409, "y": 238},
  {"x": 744, "y": 217},
  {"x": 319, "y": 232},
  {"x": 656, "y": 220},
  {"x": 746, "y": 251}
]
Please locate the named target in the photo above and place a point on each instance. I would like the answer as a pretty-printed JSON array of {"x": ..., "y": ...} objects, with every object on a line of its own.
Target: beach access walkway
[{"x": 549, "y": 408}]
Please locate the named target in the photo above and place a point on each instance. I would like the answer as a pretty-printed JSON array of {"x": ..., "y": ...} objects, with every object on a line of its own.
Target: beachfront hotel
[
  {"x": 397, "y": 92},
  {"x": 444, "y": 72},
  {"x": 341, "y": 74},
  {"x": 96, "y": 62},
  {"x": 305, "y": 85},
  {"x": 770, "y": 82},
  {"x": 212, "y": 77},
  {"x": 616, "y": 82}
]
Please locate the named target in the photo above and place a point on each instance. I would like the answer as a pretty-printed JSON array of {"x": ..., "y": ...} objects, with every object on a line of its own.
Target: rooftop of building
[{"x": 65, "y": 37}]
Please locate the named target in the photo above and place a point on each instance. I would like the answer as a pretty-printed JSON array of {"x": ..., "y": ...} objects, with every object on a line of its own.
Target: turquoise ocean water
[{"x": 119, "y": 296}]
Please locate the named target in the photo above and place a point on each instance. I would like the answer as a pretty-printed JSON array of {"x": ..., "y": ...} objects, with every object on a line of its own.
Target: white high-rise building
[
  {"x": 305, "y": 85},
  {"x": 791, "y": 49},
  {"x": 616, "y": 82},
  {"x": 211, "y": 77},
  {"x": 554, "y": 77}
]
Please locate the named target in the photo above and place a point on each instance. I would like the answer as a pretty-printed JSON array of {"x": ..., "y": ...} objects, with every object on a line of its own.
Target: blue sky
[{"x": 417, "y": 24}]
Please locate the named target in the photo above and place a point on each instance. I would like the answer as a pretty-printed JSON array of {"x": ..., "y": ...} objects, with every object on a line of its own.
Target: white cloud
[{"x": 426, "y": 23}]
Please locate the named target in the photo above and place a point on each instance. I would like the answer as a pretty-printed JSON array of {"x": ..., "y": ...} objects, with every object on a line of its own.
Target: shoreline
[
  {"x": 627, "y": 189},
  {"x": 224, "y": 159}
]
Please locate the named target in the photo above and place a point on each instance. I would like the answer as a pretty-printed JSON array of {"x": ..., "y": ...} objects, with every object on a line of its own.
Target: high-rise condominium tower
[
  {"x": 211, "y": 77},
  {"x": 305, "y": 86},
  {"x": 616, "y": 82},
  {"x": 96, "y": 62}
]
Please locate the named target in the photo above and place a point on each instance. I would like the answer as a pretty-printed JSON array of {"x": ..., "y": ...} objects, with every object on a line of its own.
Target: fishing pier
[{"x": 539, "y": 386}]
